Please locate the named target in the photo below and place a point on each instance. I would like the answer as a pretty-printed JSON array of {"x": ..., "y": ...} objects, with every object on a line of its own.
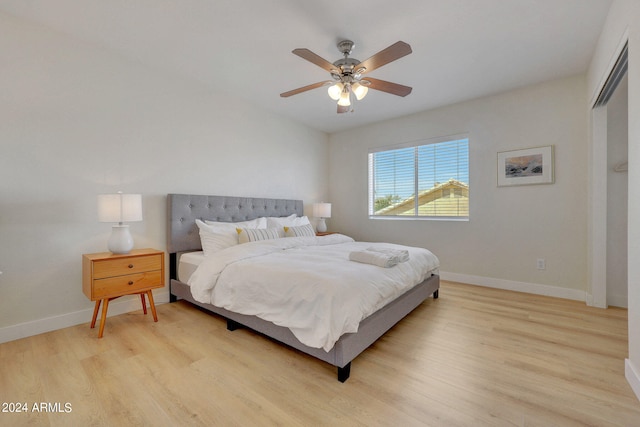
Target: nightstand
[{"x": 107, "y": 276}]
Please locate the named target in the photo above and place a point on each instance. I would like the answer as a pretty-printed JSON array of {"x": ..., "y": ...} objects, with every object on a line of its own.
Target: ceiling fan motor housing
[{"x": 346, "y": 66}]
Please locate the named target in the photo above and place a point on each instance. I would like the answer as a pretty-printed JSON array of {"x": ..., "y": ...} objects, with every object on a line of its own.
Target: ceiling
[{"x": 462, "y": 49}]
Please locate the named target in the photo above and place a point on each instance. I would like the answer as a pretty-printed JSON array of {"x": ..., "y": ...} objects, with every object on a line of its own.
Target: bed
[{"x": 183, "y": 242}]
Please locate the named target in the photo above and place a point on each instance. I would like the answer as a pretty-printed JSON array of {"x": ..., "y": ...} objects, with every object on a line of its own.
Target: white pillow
[
  {"x": 246, "y": 235},
  {"x": 215, "y": 236},
  {"x": 287, "y": 221},
  {"x": 252, "y": 223},
  {"x": 299, "y": 231}
]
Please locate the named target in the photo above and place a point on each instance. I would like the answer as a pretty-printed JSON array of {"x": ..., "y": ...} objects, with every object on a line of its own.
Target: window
[{"x": 427, "y": 179}]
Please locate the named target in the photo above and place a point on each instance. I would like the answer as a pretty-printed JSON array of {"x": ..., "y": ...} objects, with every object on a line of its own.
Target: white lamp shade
[
  {"x": 360, "y": 91},
  {"x": 119, "y": 207},
  {"x": 322, "y": 210},
  {"x": 335, "y": 91},
  {"x": 345, "y": 99}
]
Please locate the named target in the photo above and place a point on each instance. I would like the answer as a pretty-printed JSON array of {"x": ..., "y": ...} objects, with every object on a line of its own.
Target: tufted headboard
[{"x": 184, "y": 209}]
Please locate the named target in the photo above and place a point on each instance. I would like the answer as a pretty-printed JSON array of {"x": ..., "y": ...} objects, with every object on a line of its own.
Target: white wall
[
  {"x": 77, "y": 121},
  {"x": 623, "y": 23},
  {"x": 509, "y": 227}
]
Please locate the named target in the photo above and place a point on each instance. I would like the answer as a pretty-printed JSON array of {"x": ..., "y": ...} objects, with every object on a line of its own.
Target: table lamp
[
  {"x": 120, "y": 208},
  {"x": 321, "y": 211}
]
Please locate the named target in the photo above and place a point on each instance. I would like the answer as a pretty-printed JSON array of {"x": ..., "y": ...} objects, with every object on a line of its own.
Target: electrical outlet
[{"x": 541, "y": 264}]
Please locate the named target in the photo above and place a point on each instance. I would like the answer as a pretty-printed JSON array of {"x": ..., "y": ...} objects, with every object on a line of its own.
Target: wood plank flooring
[{"x": 473, "y": 357}]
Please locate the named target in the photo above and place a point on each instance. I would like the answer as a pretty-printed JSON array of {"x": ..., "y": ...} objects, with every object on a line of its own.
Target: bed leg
[
  {"x": 172, "y": 297},
  {"x": 343, "y": 373},
  {"x": 435, "y": 294},
  {"x": 233, "y": 325}
]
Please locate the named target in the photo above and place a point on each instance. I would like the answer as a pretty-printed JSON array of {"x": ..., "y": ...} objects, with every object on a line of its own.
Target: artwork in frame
[{"x": 525, "y": 167}]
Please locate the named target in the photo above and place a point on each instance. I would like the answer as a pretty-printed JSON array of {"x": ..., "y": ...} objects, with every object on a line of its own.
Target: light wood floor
[{"x": 473, "y": 357}]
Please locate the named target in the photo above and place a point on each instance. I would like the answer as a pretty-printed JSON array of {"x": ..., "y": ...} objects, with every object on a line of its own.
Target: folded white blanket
[
  {"x": 399, "y": 255},
  {"x": 381, "y": 257},
  {"x": 373, "y": 258}
]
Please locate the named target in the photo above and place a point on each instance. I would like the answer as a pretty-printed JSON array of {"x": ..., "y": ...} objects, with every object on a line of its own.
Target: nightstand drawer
[
  {"x": 122, "y": 266},
  {"x": 122, "y": 285}
]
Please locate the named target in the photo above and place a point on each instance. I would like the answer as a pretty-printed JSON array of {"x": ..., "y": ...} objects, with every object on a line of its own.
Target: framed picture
[{"x": 525, "y": 167}]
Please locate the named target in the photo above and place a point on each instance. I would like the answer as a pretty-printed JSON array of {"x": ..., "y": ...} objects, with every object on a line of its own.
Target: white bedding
[
  {"x": 307, "y": 284},
  {"x": 188, "y": 262}
]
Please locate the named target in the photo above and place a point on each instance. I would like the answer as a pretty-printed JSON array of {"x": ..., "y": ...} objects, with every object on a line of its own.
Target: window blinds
[{"x": 423, "y": 180}]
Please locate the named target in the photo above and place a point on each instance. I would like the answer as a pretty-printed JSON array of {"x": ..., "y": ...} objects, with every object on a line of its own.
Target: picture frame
[{"x": 526, "y": 166}]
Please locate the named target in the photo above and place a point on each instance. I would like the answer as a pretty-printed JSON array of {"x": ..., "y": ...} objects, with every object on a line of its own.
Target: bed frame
[{"x": 183, "y": 236}]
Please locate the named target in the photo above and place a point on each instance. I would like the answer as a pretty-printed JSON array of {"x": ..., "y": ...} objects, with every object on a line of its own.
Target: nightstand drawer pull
[
  {"x": 130, "y": 282},
  {"x": 130, "y": 265}
]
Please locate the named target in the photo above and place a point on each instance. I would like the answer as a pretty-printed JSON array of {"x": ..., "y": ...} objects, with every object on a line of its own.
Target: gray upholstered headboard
[{"x": 184, "y": 209}]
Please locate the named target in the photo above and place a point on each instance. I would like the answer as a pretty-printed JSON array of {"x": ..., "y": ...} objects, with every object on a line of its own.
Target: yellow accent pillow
[
  {"x": 246, "y": 235},
  {"x": 303, "y": 230}
]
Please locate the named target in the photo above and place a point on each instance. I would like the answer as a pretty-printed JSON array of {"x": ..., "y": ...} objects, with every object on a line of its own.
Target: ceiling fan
[{"x": 347, "y": 74}]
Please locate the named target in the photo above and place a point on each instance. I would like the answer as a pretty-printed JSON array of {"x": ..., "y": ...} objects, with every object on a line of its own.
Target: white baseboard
[
  {"x": 633, "y": 377},
  {"x": 531, "y": 288},
  {"x": 35, "y": 327}
]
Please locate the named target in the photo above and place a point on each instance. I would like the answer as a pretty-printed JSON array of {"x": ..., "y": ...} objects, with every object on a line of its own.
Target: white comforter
[{"x": 306, "y": 284}]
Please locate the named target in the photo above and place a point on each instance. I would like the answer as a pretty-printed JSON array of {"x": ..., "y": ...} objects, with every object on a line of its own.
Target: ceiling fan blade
[
  {"x": 303, "y": 89},
  {"x": 385, "y": 86},
  {"x": 342, "y": 109},
  {"x": 318, "y": 60},
  {"x": 390, "y": 54}
]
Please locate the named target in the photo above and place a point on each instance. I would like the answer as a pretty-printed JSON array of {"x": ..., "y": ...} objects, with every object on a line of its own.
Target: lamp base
[
  {"x": 321, "y": 226},
  {"x": 120, "y": 241}
]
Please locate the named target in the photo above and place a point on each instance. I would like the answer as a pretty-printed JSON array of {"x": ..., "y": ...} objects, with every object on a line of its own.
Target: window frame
[{"x": 413, "y": 144}]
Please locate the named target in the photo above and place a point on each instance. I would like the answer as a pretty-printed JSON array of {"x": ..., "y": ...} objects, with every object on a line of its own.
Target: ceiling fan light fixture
[
  {"x": 345, "y": 99},
  {"x": 360, "y": 91},
  {"x": 335, "y": 91}
]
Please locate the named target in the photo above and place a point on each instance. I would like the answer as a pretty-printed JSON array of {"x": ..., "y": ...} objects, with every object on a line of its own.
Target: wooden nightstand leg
[
  {"x": 95, "y": 314},
  {"x": 144, "y": 304},
  {"x": 153, "y": 306},
  {"x": 103, "y": 319}
]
